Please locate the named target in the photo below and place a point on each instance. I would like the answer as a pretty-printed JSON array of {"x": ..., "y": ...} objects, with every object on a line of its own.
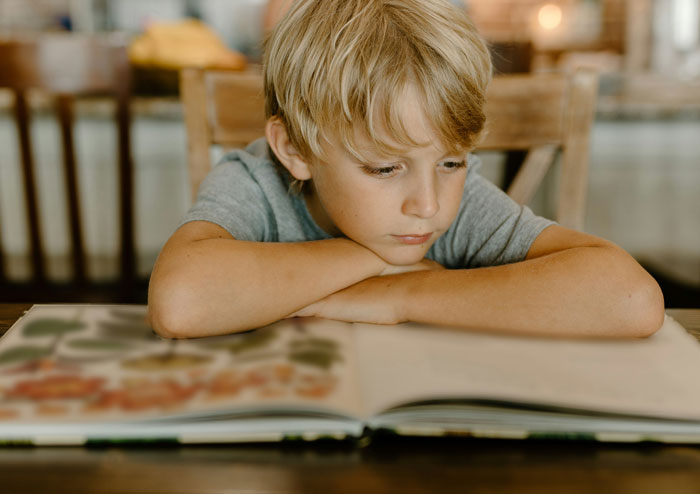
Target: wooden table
[{"x": 409, "y": 465}]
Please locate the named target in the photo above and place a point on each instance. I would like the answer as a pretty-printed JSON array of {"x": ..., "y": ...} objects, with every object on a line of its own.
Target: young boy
[{"x": 372, "y": 108}]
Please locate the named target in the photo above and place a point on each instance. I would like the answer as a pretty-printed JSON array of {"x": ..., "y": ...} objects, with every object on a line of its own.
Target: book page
[
  {"x": 657, "y": 376},
  {"x": 68, "y": 363}
]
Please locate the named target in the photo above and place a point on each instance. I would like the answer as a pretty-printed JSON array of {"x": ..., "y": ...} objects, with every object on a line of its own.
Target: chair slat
[
  {"x": 64, "y": 109},
  {"x": 571, "y": 203},
  {"x": 29, "y": 182},
  {"x": 3, "y": 276},
  {"x": 531, "y": 173},
  {"x": 194, "y": 99},
  {"x": 126, "y": 175}
]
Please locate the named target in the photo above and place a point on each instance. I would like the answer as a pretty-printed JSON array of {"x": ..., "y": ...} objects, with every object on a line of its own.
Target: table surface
[{"x": 405, "y": 465}]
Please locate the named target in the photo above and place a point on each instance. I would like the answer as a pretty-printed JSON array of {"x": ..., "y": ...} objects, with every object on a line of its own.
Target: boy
[{"x": 372, "y": 107}]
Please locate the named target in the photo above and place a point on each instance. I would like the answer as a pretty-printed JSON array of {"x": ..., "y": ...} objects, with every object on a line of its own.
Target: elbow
[
  {"x": 169, "y": 318},
  {"x": 180, "y": 307},
  {"x": 162, "y": 323},
  {"x": 643, "y": 308},
  {"x": 175, "y": 311}
]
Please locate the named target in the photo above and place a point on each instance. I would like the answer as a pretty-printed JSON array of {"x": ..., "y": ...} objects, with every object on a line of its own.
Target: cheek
[
  {"x": 360, "y": 211},
  {"x": 342, "y": 201},
  {"x": 356, "y": 206},
  {"x": 452, "y": 193}
]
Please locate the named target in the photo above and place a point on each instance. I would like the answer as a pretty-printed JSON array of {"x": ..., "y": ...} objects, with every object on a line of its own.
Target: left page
[{"x": 91, "y": 364}]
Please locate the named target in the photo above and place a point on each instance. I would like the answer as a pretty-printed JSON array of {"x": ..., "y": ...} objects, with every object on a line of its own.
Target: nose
[{"x": 422, "y": 199}]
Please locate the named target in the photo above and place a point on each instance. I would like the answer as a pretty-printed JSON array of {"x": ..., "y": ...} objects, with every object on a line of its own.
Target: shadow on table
[{"x": 388, "y": 464}]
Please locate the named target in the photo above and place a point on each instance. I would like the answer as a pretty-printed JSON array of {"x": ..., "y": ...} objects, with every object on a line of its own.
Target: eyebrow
[
  {"x": 371, "y": 155},
  {"x": 391, "y": 158}
]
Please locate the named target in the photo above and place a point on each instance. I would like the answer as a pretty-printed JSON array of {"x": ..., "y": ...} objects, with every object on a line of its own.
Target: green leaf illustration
[
  {"x": 134, "y": 315},
  {"x": 99, "y": 345},
  {"x": 133, "y": 330},
  {"x": 24, "y": 353},
  {"x": 315, "y": 357},
  {"x": 51, "y": 327},
  {"x": 164, "y": 362},
  {"x": 313, "y": 342},
  {"x": 319, "y": 352},
  {"x": 244, "y": 342}
]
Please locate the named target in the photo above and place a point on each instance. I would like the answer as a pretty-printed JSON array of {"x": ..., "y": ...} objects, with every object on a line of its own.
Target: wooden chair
[
  {"x": 543, "y": 115},
  {"x": 539, "y": 114},
  {"x": 65, "y": 66},
  {"x": 511, "y": 57},
  {"x": 224, "y": 108}
]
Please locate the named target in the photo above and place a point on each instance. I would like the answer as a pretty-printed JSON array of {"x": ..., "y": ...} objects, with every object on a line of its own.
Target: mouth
[{"x": 413, "y": 239}]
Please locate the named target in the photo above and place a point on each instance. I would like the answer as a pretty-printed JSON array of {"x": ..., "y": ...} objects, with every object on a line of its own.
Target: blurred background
[{"x": 644, "y": 183}]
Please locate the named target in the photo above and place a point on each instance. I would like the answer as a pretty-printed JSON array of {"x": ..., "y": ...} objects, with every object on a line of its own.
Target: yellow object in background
[{"x": 187, "y": 43}]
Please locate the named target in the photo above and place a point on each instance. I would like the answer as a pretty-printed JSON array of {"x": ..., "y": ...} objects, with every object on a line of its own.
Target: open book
[{"x": 72, "y": 374}]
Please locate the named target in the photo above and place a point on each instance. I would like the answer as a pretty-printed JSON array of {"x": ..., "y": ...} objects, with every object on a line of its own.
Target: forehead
[{"x": 399, "y": 124}]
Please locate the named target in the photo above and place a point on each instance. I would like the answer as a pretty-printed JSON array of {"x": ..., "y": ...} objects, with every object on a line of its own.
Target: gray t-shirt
[{"x": 248, "y": 195}]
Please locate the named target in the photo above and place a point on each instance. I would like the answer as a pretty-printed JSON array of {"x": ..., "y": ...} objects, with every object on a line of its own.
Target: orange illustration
[
  {"x": 56, "y": 387},
  {"x": 141, "y": 394},
  {"x": 8, "y": 413},
  {"x": 228, "y": 382},
  {"x": 315, "y": 385},
  {"x": 51, "y": 409}
]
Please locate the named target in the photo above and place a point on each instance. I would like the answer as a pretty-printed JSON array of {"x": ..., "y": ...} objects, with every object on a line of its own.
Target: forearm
[
  {"x": 217, "y": 286},
  {"x": 584, "y": 291}
]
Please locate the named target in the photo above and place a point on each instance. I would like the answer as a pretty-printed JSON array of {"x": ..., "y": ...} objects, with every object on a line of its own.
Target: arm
[
  {"x": 570, "y": 284},
  {"x": 205, "y": 282}
]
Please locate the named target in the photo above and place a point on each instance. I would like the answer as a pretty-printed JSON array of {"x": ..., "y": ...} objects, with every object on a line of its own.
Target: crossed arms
[{"x": 205, "y": 283}]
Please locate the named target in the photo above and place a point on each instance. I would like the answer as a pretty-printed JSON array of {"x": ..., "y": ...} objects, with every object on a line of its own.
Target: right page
[{"x": 657, "y": 376}]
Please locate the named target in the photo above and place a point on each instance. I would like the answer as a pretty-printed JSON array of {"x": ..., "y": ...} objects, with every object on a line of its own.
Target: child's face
[{"x": 396, "y": 206}]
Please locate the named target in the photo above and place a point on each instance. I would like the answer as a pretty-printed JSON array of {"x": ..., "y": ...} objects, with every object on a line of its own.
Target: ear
[{"x": 278, "y": 139}]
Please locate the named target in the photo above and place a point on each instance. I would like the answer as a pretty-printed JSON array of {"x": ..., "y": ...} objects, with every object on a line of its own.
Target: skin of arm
[
  {"x": 571, "y": 284},
  {"x": 207, "y": 283}
]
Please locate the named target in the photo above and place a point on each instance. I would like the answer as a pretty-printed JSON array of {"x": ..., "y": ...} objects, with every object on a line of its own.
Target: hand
[
  {"x": 368, "y": 301},
  {"x": 376, "y": 300},
  {"x": 424, "y": 265}
]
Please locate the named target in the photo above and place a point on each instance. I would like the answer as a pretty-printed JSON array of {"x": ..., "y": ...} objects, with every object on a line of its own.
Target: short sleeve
[
  {"x": 233, "y": 199},
  {"x": 490, "y": 228}
]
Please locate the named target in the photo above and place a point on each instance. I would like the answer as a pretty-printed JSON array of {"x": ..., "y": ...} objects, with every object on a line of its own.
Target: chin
[{"x": 403, "y": 256}]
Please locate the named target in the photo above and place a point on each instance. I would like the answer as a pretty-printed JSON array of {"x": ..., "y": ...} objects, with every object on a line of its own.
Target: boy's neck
[{"x": 318, "y": 213}]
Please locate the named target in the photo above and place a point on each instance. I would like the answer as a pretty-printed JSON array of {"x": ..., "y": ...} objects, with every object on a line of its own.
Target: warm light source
[{"x": 549, "y": 16}]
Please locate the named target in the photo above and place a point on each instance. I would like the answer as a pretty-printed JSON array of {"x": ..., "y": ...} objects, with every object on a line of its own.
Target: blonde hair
[{"x": 341, "y": 66}]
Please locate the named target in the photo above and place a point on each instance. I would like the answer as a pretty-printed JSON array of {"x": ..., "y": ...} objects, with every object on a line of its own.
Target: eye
[
  {"x": 453, "y": 165},
  {"x": 382, "y": 172}
]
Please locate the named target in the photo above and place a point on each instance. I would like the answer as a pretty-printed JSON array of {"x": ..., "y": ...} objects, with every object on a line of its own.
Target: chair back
[
  {"x": 540, "y": 114},
  {"x": 65, "y": 66},
  {"x": 224, "y": 108},
  {"x": 544, "y": 115}
]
